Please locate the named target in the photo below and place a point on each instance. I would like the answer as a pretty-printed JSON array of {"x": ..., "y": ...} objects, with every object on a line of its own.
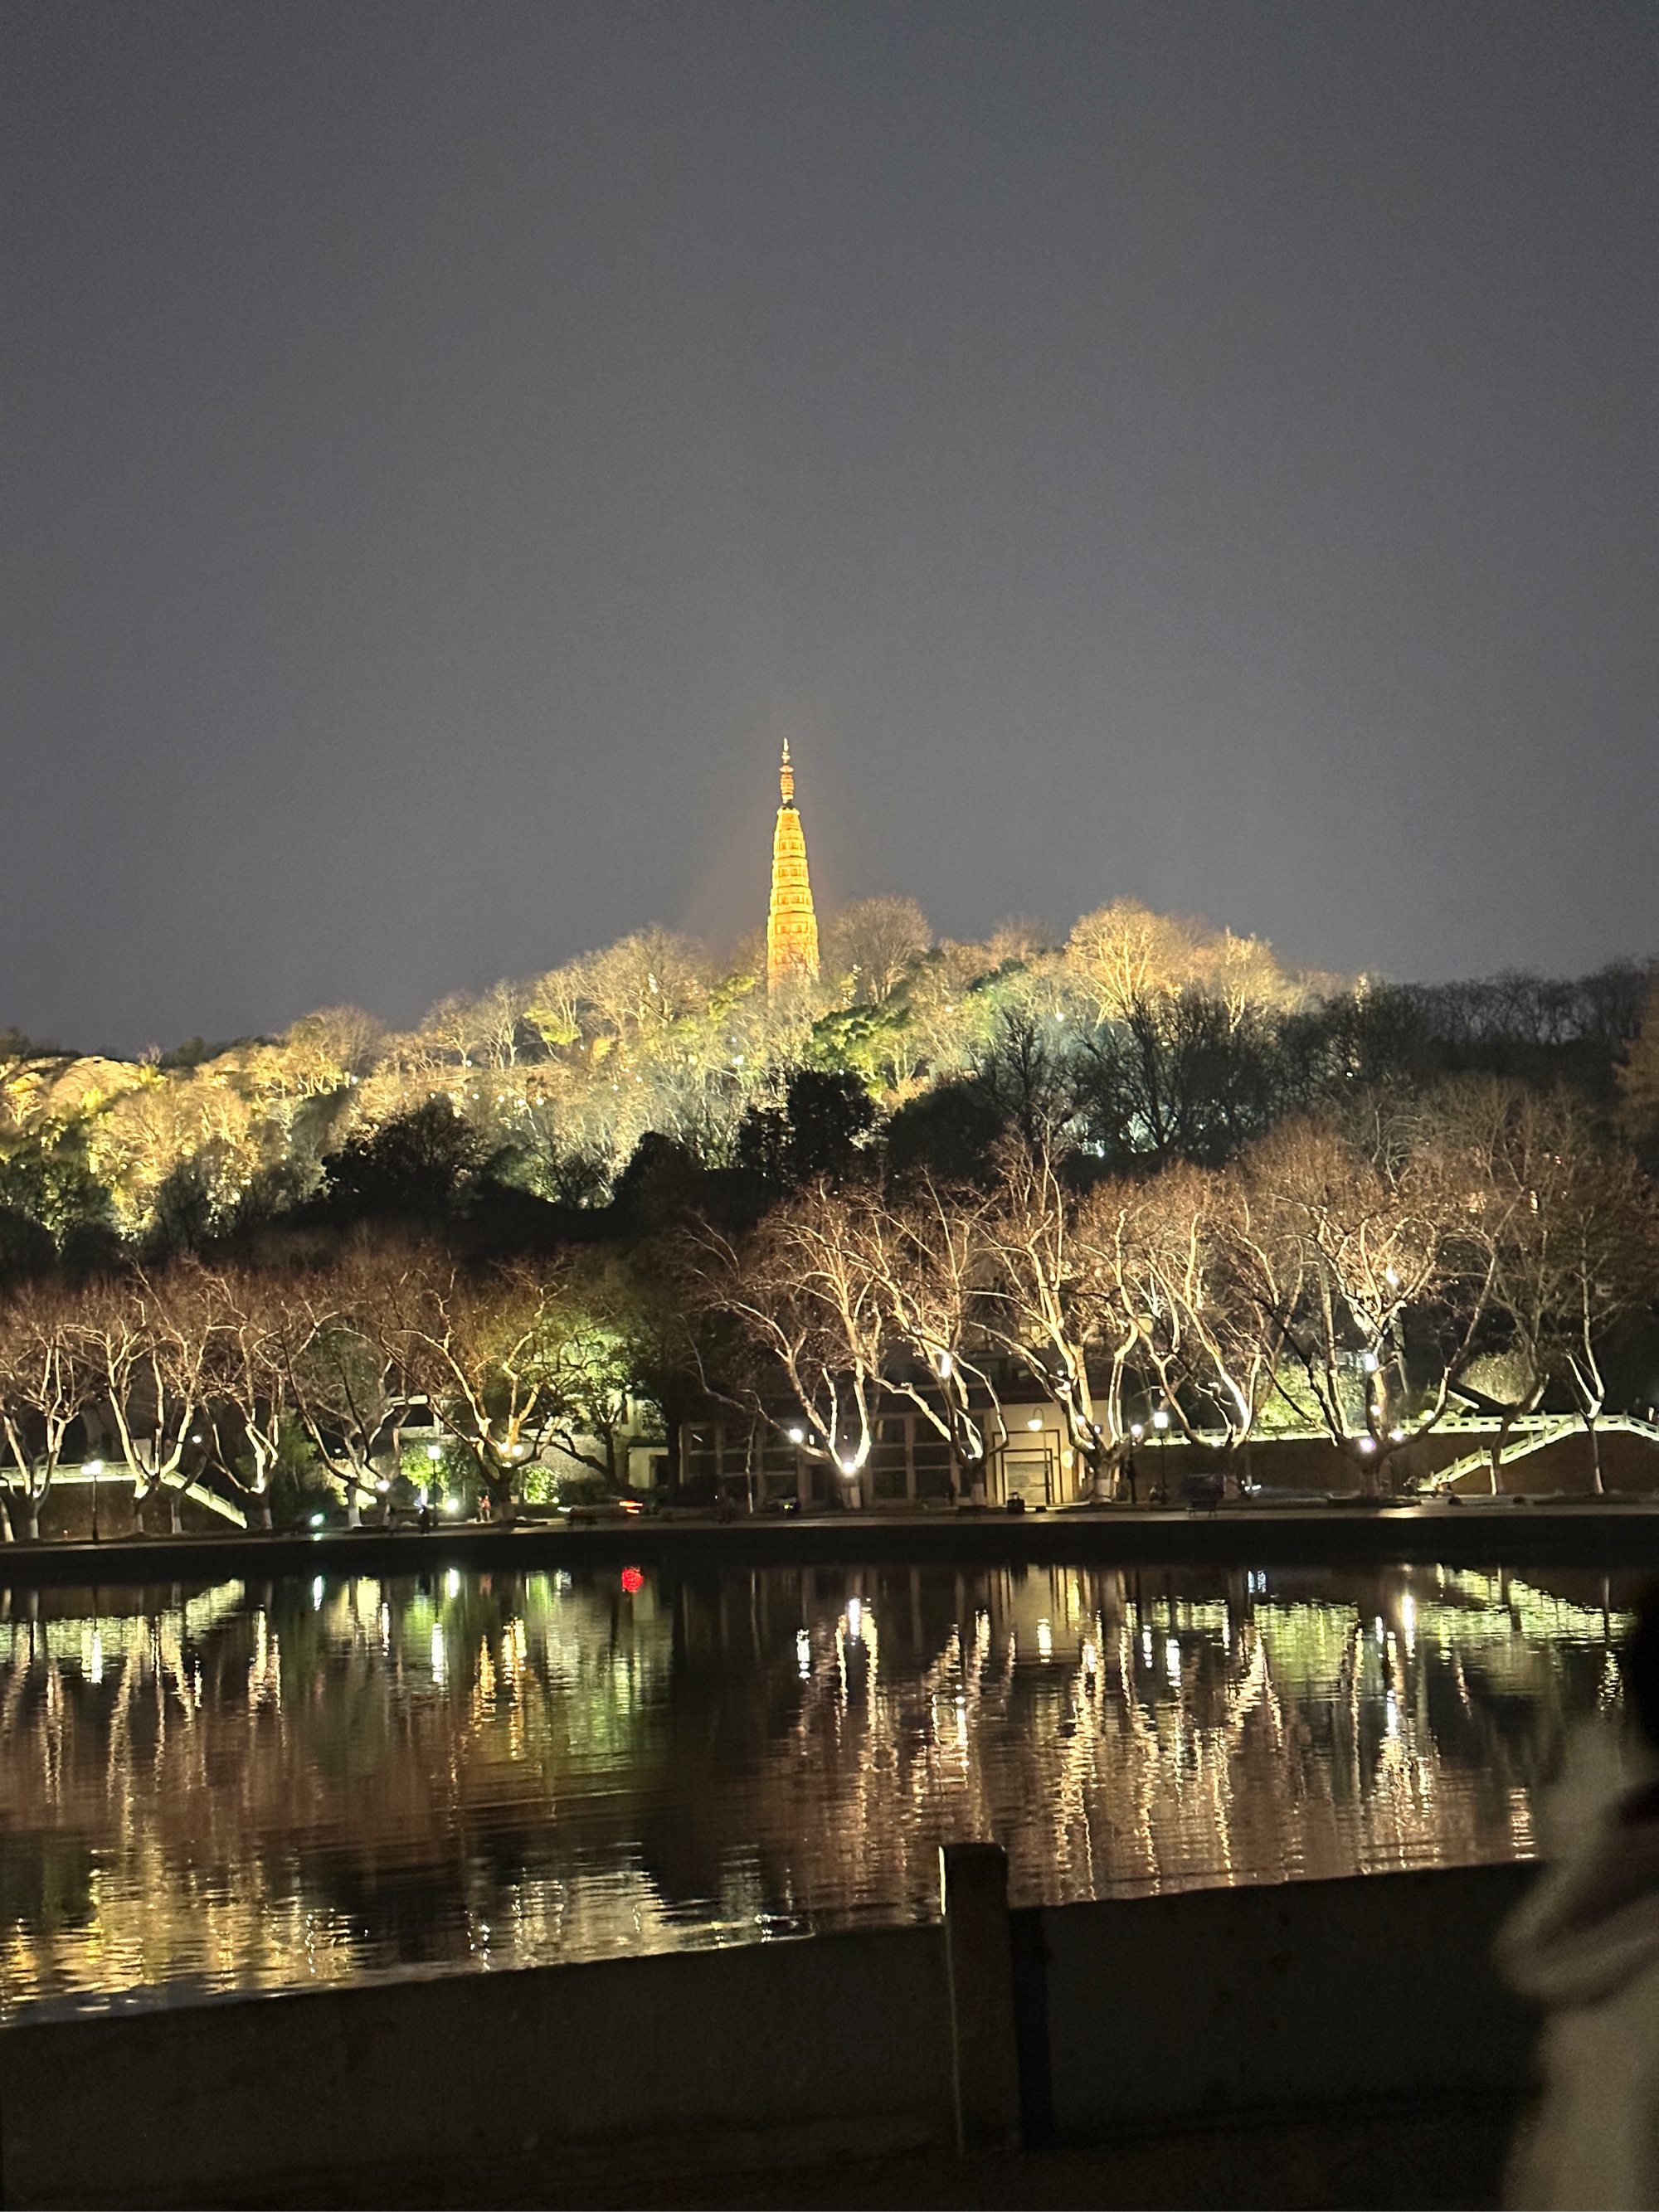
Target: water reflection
[{"x": 311, "y": 1781}]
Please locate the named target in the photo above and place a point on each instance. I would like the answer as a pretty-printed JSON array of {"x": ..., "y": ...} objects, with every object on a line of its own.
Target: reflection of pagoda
[{"x": 792, "y": 928}]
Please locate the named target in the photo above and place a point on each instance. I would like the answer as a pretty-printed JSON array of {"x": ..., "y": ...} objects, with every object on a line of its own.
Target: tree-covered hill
[{"x": 1139, "y": 1039}]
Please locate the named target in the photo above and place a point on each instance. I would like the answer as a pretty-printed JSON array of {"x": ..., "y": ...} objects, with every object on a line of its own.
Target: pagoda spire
[{"x": 792, "y": 928}]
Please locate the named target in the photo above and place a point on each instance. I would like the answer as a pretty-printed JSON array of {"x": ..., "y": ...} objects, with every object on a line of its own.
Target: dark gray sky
[{"x": 1200, "y": 452}]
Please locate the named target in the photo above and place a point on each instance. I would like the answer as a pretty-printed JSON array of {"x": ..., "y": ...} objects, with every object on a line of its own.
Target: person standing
[{"x": 1584, "y": 1944}]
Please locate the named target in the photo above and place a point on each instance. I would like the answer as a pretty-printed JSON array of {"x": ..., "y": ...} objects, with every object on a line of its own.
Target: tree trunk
[
  {"x": 353, "y": 1507},
  {"x": 1595, "y": 1455},
  {"x": 258, "y": 1513},
  {"x": 973, "y": 1472},
  {"x": 8, "y": 1533},
  {"x": 175, "y": 1512},
  {"x": 31, "y": 1520}
]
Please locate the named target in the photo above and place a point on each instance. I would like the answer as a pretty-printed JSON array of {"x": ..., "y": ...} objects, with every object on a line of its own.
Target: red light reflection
[{"x": 632, "y": 1580}]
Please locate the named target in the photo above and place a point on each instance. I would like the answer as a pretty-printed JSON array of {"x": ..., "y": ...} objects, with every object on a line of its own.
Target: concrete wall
[
  {"x": 1317, "y": 1992},
  {"x": 689, "y": 2063},
  {"x": 1069, "y": 2024}
]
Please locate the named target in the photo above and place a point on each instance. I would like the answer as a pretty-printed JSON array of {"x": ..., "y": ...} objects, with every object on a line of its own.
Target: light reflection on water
[{"x": 270, "y": 1786}]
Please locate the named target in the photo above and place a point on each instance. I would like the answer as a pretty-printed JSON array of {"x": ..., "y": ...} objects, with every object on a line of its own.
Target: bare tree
[
  {"x": 1177, "y": 1077},
  {"x": 1168, "y": 1251},
  {"x": 931, "y": 1259},
  {"x": 1343, "y": 1254},
  {"x": 1638, "y": 1078},
  {"x": 555, "y": 1004},
  {"x": 1243, "y": 975},
  {"x": 648, "y": 980},
  {"x": 257, "y": 1327},
  {"x": 803, "y": 1289},
  {"x": 473, "y": 1344},
  {"x": 589, "y": 1374},
  {"x": 1025, "y": 1077},
  {"x": 1124, "y": 952},
  {"x": 335, "y": 1046},
  {"x": 46, "y": 1383},
  {"x": 1049, "y": 1305},
  {"x": 150, "y": 1339},
  {"x": 873, "y": 945},
  {"x": 340, "y": 1381},
  {"x": 1016, "y": 940}
]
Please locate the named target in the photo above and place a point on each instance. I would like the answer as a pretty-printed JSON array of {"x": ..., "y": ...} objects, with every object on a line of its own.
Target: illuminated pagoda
[{"x": 792, "y": 927}]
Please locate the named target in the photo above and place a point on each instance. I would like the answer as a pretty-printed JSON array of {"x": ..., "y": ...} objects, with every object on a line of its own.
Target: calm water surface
[{"x": 264, "y": 1786}]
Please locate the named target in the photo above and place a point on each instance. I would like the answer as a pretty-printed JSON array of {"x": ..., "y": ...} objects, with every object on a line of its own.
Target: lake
[{"x": 263, "y": 1786}]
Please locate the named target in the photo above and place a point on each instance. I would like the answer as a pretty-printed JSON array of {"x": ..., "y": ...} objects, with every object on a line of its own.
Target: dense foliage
[{"x": 1145, "y": 1166}]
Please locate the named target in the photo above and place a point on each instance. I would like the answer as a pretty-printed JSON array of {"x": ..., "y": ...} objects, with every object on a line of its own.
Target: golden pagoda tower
[{"x": 792, "y": 927}]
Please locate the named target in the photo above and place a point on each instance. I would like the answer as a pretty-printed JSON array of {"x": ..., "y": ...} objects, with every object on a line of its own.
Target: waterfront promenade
[
  {"x": 1338, "y": 2042},
  {"x": 1609, "y": 1533},
  {"x": 1335, "y": 2043}
]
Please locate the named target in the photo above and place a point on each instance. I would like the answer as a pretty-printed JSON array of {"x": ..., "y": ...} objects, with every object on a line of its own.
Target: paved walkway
[{"x": 1376, "y": 2158}]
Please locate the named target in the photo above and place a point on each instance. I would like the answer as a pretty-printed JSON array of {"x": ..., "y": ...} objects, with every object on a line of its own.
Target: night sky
[{"x": 1200, "y": 453}]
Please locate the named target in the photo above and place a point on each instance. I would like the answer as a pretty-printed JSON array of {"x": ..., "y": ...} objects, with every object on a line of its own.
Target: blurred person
[{"x": 1585, "y": 1945}]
